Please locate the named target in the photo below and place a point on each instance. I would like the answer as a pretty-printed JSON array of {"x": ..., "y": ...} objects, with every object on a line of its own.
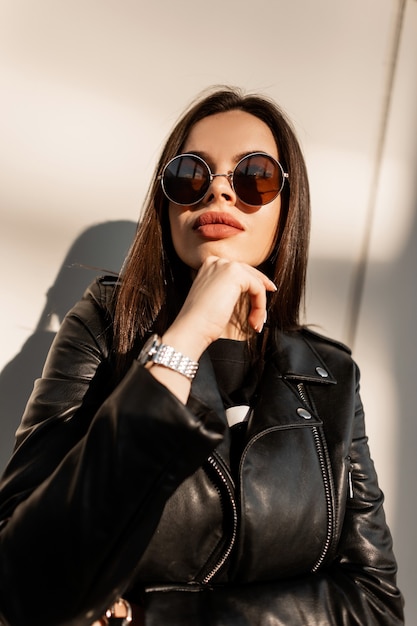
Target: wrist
[{"x": 185, "y": 341}]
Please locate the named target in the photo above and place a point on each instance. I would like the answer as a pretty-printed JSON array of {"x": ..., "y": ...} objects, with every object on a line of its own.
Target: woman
[{"x": 190, "y": 446}]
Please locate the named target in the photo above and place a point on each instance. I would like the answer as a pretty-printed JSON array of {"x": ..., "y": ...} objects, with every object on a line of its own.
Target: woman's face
[{"x": 222, "y": 225}]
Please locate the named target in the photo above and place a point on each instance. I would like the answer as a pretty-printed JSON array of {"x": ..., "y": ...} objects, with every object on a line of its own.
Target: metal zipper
[
  {"x": 329, "y": 535},
  {"x": 222, "y": 475},
  {"x": 326, "y": 482}
]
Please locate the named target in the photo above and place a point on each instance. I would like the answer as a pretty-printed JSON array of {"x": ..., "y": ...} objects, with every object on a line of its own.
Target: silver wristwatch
[{"x": 154, "y": 351}]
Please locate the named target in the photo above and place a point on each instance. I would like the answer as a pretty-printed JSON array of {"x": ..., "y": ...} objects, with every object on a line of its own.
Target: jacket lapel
[{"x": 296, "y": 359}]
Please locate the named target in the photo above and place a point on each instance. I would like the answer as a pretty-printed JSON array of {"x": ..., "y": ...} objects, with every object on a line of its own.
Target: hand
[{"x": 211, "y": 304}]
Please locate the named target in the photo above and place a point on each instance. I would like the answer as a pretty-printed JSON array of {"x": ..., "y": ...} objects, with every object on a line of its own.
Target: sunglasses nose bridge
[{"x": 229, "y": 177}]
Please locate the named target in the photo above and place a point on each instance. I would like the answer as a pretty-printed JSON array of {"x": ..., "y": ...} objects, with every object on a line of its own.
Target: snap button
[
  {"x": 304, "y": 413},
  {"x": 322, "y": 372}
]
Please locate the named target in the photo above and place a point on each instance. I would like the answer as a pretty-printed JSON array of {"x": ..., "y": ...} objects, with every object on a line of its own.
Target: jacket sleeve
[{"x": 89, "y": 478}]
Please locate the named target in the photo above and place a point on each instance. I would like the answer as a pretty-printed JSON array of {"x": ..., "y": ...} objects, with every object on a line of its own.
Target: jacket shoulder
[
  {"x": 102, "y": 291},
  {"x": 95, "y": 312},
  {"x": 319, "y": 339}
]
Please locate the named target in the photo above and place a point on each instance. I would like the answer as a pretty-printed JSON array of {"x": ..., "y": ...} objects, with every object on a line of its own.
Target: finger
[
  {"x": 267, "y": 282},
  {"x": 257, "y": 314},
  {"x": 258, "y": 300}
]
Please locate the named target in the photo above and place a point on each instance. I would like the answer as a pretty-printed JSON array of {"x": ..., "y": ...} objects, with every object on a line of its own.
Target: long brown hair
[{"x": 155, "y": 282}]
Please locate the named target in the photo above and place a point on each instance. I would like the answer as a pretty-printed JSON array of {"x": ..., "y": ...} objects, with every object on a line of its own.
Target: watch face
[{"x": 148, "y": 349}]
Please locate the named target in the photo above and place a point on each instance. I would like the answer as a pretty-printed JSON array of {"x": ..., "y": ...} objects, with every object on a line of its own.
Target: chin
[{"x": 223, "y": 250}]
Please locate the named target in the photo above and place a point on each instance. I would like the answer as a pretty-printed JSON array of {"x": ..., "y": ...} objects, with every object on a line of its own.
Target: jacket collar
[{"x": 297, "y": 359}]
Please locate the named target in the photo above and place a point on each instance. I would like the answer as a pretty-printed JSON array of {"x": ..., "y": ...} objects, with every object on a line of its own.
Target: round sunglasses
[{"x": 257, "y": 179}]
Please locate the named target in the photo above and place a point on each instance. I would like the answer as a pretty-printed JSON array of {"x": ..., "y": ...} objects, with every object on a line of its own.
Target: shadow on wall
[{"x": 100, "y": 249}]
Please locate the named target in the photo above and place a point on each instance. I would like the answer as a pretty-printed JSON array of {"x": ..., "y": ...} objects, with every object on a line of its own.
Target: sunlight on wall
[{"x": 339, "y": 218}]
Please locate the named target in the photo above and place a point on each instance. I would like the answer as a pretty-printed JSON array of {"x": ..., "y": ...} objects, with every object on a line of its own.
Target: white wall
[{"x": 90, "y": 88}]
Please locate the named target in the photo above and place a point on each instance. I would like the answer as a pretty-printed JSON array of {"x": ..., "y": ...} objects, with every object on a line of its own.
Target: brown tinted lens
[
  {"x": 257, "y": 179},
  {"x": 186, "y": 179}
]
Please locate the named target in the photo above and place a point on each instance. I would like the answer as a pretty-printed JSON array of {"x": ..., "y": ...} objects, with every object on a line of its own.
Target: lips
[
  {"x": 211, "y": 217},
  {"x": 212, "y": 225}
]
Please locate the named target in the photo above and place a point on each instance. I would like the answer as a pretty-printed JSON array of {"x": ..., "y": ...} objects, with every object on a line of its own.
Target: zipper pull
[
  {"x": 351, "y": 494},
  {"x": 350, "y": 478}
]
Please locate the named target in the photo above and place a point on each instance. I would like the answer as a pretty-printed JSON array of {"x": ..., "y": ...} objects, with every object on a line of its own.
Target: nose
[{"x": 221, "y": 188}]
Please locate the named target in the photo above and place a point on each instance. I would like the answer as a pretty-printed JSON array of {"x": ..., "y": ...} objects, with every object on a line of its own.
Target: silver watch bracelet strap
[{"x": 169, "y": 357}]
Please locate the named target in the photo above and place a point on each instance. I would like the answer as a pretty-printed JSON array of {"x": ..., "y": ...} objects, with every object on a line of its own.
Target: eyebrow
[{"x": 236, "y": 158}]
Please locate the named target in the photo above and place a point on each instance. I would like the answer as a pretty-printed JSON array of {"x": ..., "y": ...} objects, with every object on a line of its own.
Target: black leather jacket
[{"x": 127, "y": 491}]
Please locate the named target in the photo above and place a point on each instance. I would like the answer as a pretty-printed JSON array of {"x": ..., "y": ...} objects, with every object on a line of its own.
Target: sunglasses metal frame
[{"x": 229, "y": 176}]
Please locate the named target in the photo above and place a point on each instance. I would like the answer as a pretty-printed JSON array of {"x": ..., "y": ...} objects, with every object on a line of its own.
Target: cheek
[{"x": 270, "y": 221}]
